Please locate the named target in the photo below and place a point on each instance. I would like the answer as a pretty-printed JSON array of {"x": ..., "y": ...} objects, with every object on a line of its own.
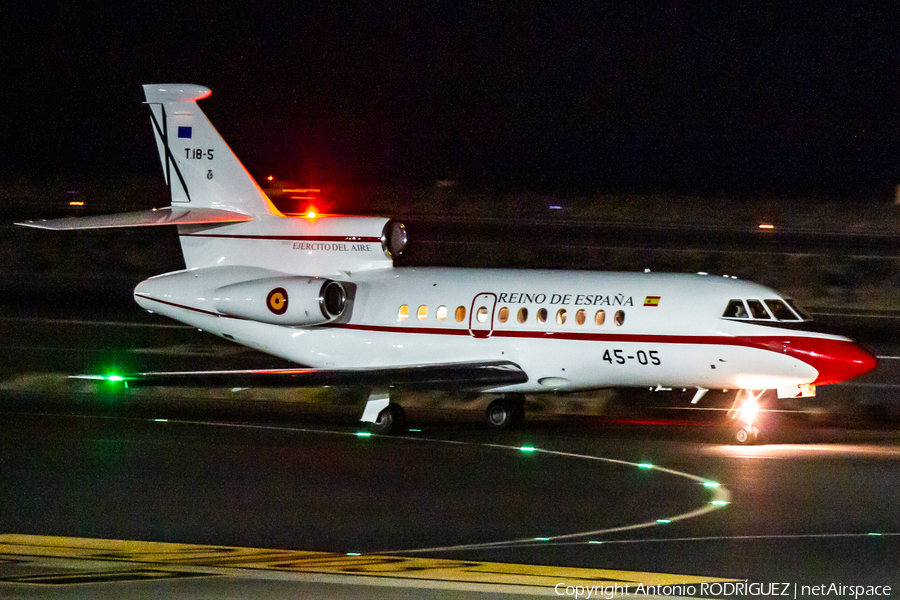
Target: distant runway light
[
  {"x": 527, "y": 448},
  {"x": 363, "y": 434},
  {"x": 663, "y": 521},
  {"x": 766, "y": 226},
  {"x": 645, "y": 466},
  {"x": 76, "y": 203}
]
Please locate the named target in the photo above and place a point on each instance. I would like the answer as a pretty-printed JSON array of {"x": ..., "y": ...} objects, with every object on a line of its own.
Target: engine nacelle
[{"x": 283, "y": 300}]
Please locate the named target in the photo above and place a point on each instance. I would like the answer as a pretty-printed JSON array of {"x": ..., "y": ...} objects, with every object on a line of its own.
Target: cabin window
[
  {"x": 422, "y": 313},
  {"x": 503, "y": 314},
  {"x": 600, "y": 317},
  {"x": 441, "y": 313},
  {"x": 735, "y": 310},
  {"x": 757, "y": 309},
  {"x": 561, "y": 316},
  {"x": 460, "y": 314},
  {"x": 403, "y": 314},
  {"x": 620, "y": 317},
  {"x": 542, "y": 315},
  {"x": 523, "y": 315},
  {"x": 482, "y": 314},
  {"x": 781, "y": 311},
  {"x": 580, "y": 317}
]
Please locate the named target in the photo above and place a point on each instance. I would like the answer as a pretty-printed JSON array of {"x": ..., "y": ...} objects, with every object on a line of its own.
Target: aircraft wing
[
  {"x": 472, "y": 376},
  {"x": 169, "y": 215}
]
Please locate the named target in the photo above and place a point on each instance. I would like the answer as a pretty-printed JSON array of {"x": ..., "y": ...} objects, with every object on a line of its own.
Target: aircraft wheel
[
  {"x": 390, "y": 420},
  {"x": 504, "y": 413},
  {"x": 746, "y": 435}
]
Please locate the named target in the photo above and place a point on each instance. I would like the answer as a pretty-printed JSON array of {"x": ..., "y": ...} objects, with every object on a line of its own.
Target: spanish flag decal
[{"x": 651, "y": 301}]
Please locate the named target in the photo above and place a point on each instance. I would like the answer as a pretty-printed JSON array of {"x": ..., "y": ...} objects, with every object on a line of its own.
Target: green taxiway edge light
[
  {"x": 542, "y": 539},
  {"x": 353, "y": 554},
  {"x": 719, "y": 502},
  {"x": 645, "y": 466},
  {"x": 363, "y": 434},
  {"x": 663, "y": 521},
  {"x": 594, "y": 542},
  {"x": 160, "y": 420},
  {"x": 416, "y": 430},
  {"x": 115, "y": 378},
  {"x": 527, "y": 448},
  {"x": 711, "y": 484},
  {"x": 875, "y": 534}
]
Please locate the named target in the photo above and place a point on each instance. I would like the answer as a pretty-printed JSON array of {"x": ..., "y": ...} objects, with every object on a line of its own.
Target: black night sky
[{"x": 738, "y": 99}]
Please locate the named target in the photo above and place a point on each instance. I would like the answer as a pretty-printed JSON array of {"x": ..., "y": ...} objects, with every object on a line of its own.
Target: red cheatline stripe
[
  {"x": 191, "y": 308},
  {"x": 296, "y": 238},
  {"x": 762, "y": 342}
]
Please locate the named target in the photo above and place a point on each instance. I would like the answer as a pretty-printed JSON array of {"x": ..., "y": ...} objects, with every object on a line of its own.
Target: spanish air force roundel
[{"x": 277, "y": 301}]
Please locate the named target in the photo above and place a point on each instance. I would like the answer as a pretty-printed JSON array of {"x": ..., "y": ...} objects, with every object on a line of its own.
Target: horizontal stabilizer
[
  {"x": 158, "y": 216},
  {"x": 452, "y": 376}
]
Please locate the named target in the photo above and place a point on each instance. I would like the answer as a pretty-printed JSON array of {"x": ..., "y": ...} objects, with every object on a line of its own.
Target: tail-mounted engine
[{"x": 299, "y": 301}]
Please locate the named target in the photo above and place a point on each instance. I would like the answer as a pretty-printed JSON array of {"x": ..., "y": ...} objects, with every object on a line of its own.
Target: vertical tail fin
[{"x": 200, "y": 169}]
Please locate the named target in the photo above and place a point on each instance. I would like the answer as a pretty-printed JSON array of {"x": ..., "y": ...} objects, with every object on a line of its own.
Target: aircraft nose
[{"x": 835, "y": 360}]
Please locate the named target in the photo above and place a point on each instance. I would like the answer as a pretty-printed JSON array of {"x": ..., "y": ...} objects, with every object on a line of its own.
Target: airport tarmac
[{"x": 195, "y": 496}]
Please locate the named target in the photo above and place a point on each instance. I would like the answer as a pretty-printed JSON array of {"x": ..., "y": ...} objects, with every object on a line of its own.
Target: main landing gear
[
  {"x": 506, "y": 411},
  {"x": 744, "y": 412},
  {"x": 386, "y": 417}
]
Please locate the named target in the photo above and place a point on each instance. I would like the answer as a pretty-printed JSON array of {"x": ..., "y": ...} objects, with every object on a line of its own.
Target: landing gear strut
[{"x": 507, "y": 411}]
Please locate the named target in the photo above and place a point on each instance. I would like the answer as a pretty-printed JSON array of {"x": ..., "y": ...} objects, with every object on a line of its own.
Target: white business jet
[{"x": 322, "y": 291}]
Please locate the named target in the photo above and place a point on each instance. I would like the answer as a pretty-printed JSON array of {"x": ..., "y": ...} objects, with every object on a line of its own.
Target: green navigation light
[{"x": 527, "y": 448}]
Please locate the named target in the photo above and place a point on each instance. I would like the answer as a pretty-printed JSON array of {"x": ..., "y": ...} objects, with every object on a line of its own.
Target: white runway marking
[{"x": 731, "y": 538}]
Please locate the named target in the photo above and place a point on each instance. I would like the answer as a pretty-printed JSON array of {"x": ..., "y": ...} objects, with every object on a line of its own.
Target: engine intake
[{"x": 394, "y": 239}]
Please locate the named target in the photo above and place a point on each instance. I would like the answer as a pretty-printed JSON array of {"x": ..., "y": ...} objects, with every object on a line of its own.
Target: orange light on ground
[
  {"x": 766, "y": 226},
  {"x": 76, "y": 203},
  {"x": 300, "y": 191},
  {"x": 270, "y": 178}
]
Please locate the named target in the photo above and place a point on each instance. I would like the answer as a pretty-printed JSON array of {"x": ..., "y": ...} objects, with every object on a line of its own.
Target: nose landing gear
[{"x": 744, "y": 412}]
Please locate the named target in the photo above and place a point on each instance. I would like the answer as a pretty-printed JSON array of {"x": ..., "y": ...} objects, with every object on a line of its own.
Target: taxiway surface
[{"x": 450, "y": 510}]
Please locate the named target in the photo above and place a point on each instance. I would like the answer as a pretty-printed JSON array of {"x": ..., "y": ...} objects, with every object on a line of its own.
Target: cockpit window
[
  {"x": 781, "y": 311},
  {"x": 758, "y": 310},
  {"x": 803, "y": 314},
  {"x": 736, "y": 310}
]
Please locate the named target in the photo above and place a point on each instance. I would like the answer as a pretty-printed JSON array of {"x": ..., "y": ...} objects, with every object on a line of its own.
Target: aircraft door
[{"x": 481, "y": 315}]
